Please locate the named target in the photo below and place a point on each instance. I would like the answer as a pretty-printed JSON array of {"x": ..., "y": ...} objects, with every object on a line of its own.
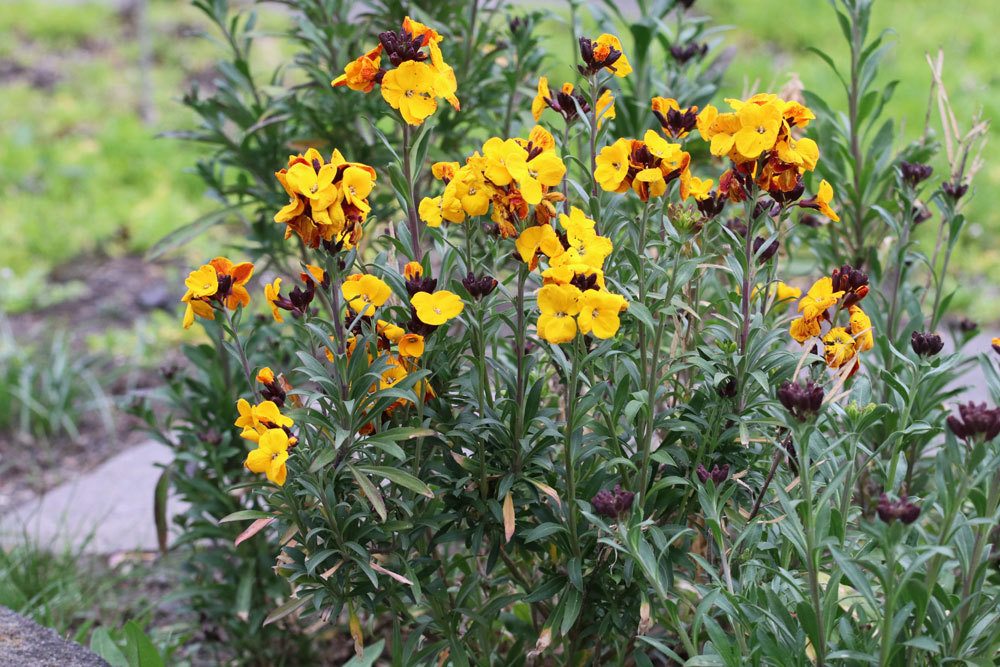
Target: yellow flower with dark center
[
  {"x": 603, "y": 46},
  {"x": 759, "y": 126},
  {"x": 861, "y": 327},
  {"x": 357, "y": 184},
  {"x": 365, "y": 293},
  {"x": 839, "y": 347},
  {"x": 437, "y": 308},
  {"x": 393, "y": 374},
  {"x": 803, "y": 153},
  {"x": 612, "y": 166},
  {"x": 411, "y": 345},
  {"x": 599, "y": 313},
  {"x": 411, "y": 89},
  {"x": 802, "y": 329},
  {"x": 270, "y": 456},
  {"x": 559, "y": 305},
  {"x": 819, "y": 297}
]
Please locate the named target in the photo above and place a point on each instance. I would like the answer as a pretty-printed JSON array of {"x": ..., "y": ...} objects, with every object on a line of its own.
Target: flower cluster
[
  {"x": 573, "y": 295},
  {"x": 568, "y": 103},
  {"x": 675, "y": 122},
  {"x": 298, "y": 300},
  {"x": 218, "y": 284},
  {"x": 612, "y": 503},
  {"x": 510, "y": 175},
  {"x": 603, "y": 53},
  {"x": 975, "y": 420},
  {"x": 841, "y": 293},
  {"x": 757, "y": 137},
  {"x": 264, "y": 425},
  {"x": 413, "y": 85},
  {"x": 801, "y": 400},
  {"x": 328, "y": 201},
  {"x": 925, "y": 343},
  {"x": 647, "y": 167}
]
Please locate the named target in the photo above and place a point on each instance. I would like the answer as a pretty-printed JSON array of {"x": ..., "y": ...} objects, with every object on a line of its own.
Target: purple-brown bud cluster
[
  {"x": 925, "y": 343},
  {"x": 612, "y": 503},
  {"x": 802, "y": 400},
  {"x": 402, "y": 46},
  {"x": 954, "y": 190},
  {"x": 479, "y": 287},
  {"x": 975, "y": 420},
  {"x": 682, "y": 53},
  {"x": 717, "y": 474},
  {"x": 902, "y": 509},
  {"x": 914, "y": 172},
  {"x": 591, "y": 62},
  {"x": 853, "y": 282}
]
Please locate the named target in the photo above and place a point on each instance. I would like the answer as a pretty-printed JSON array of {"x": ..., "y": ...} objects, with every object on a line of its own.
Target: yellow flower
[
  {"x": 411, "y": 89},
  {"x": 502, "y": 159},
  {"x": 599, "y": 313},
  {"x": 391, "y": 331},
  {"x": 839, "y": 347},
  {"x": 271, "y": 295},
  {"x": 544, "y": 170},
  {"x": 270, "y": 456},
  {"x": 759, "y": 125},
  {"x": 612, "y": 166},
  {"x": 802, "y": 329},
  {"x": 471, "y": 190},
  {"x": 444, "y": 171},
  {"x": 413, "y": 270},
  {"x": 692, "y": 186},
  {"x": 202, "y": 282},
  {"x": 786, "y": 292},
  {"x": 820, "y": 297},
  {"x": 437, "y": 308},
  {"x": 541, "y": 101},
  {"x": 804, "y": 153},
  {"x": 364, "y": 293},
  {"x": 602, "y": 48},
  {"x": 411, "y": 345},
  {"x": 861, "y": 327},
  {"x": 256, "y": 419},
  {"x": 585, "y": 246},
  {"x": 821, "y": 202},
  {"x": 357, "y": 184},
  {"x": 391, "y": 376},
  {"x": 537, "y": 238},
  {"x": 193, "y": 307},
  {"x": 265, "y": 375},
  {"x": 559, "y": 305},
  {"x": 360, "y": 74},
  {"x": 605, "y": 107}
]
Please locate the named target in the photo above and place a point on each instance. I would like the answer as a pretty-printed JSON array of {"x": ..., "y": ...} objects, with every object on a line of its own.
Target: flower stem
[
  {"x": 571, "y": 391},
  {"x": 413, "y": 224}
]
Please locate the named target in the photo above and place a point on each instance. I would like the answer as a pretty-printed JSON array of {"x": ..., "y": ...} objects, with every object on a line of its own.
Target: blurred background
[{"x": 94, "y": 177}]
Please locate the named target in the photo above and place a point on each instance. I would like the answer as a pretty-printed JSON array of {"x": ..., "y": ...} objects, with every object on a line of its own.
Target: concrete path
[{"x": 106, "y": 510}]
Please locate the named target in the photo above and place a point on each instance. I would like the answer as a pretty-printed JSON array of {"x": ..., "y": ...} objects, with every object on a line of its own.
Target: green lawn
[{"x": 81, "y": 170}]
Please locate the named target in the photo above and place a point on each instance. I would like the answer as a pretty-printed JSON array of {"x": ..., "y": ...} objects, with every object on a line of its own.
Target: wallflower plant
[{"x": 599, "y": 396}]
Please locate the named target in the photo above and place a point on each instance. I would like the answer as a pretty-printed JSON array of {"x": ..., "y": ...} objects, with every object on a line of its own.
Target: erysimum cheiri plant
[{"x": 576, "y": 408}]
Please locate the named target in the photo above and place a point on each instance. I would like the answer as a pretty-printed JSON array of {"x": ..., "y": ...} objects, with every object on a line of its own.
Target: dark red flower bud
[
  {"x": 902, "y": 509},
  {"x": 479, "y": 287},
  {"x": 683, "y": 53},
  {"x": 612, "y": 503},
  {"x": 718, "y": 474},
  {"x": 975, "y": 420},
  {"x": 914, "y": 173},
  {"x": 802, "y": 400},
  {"x": 768, "y": 252},
  {"x": 954, "y": 190},
  {"x": 925, "y": 343}
]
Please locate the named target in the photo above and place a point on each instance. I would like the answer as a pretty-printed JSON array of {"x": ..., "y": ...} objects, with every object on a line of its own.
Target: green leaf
[
  {"x": 160, "y": 508},
  {"x": 399, "y": 477},
  {"x": 285, "y": 609},
  {"x": 139, "y": 650},
  {"x": 367, "y": 488}
]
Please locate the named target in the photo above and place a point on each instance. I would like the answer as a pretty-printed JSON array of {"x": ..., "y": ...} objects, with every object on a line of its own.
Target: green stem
[
  {"x": 242, "y": 354},
  {"x": 521, "y": 374},
  {"x": 890, "y": 599},
  {"x": 571, "y": 391},
  {"x": 810, "y": 534}
]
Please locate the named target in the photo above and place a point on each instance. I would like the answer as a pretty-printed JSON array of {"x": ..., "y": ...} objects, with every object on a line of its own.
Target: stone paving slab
[
  {"x": 23, "y": 642},
  {"x": 106, "y": 510}
]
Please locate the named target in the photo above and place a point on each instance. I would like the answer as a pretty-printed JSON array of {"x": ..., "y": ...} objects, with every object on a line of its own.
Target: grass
[{"x": 80, "y": 165}]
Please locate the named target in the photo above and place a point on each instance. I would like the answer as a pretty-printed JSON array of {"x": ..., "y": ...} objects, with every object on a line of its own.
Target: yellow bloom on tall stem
[
  {"x": 821, "y": 202},
  {"x": 411, "y": 89},
  {"x": 270, "y": 456},
  {"x": 559, "y": 305},
  {"x": 365, "y": 293},
  {"x": 437, "y": 308},
  {"x": 219, "y": 282},
  {"x": 758, "y": 131},
  {"x": 612, "y": 166}
]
